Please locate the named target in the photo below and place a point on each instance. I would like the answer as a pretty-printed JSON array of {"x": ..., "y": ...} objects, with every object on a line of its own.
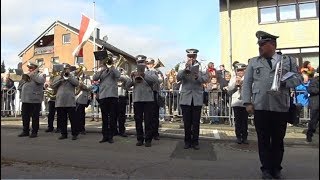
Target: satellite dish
[{"x": 105, "y": 38}]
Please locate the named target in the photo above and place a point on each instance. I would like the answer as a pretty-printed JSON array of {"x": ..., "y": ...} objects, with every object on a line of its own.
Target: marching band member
[
  {"x": 240, "y": 113},
  {"x": 120, "y": 128},
  {"x": 108, "y": 98},
  {"x": 143, "y": 99},
  {"x": 65, "y": 85},
  {"x": 52, "y": 109},
  {"x": 191, "y": 98},
  {"x": 156, "y": 89},
  {"x": 82, "y": 96},
  {"x": 31, "y": 88}
]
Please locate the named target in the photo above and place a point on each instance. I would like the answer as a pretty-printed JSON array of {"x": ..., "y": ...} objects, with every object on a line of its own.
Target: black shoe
[
  {"x": 123, "y": 135},
  {"x": 195, "y": 147},
  {"x": 33, "y": 135},
  {"x": 187, "y": 146},
  {"x": 48, "y": 130},
  {"x": 74, "y": 137},
  {"x": 63, "y": 137},
  {"x": 110, "y": 141},
  {"x": 277, "y": 174},
  {"x": 83, "y": 132},
  {"x": 23, "y": 134},
  {"x": 139, "y": 143},
  {"x": 147, "y": 144},
  {"x": 266, "y": 175},
  {"x": 57, "y": 131},
  {"x": 103, "y": 140},
  {"x": 156, "y": 137},
  {"x": 238, "y": 141},
  {"x": 309, "y": 138},
  {"x": 245, "y": 141}
]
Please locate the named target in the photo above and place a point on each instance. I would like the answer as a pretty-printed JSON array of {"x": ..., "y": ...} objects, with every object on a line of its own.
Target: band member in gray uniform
[
  {"x": 156, "y": 89},
  {"x": 191, "y": 98},
  {"x": 51, "y": 94},
  {"x": 240, "y": 113},
  {"x": 108, "y": 98},
  {"x": 142, "y": 82},
  {"x": 120, "y": 128},
  {"x": 65, "y": 85},
  {"x": 31, "y": 89},
  {"x": 82, "y": 96},
  {"x": 267, "y": 95}
]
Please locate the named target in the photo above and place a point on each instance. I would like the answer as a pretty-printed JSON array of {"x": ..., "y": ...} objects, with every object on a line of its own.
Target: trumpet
[
  {"x": 277, "y": 79},
  {"x": 26, "y": 76}
]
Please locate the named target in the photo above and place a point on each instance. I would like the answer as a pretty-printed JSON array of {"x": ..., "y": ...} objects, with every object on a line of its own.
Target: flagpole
[{"x": 94, "y": 38}]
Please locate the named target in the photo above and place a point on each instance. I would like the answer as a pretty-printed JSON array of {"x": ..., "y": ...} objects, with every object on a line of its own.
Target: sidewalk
[{"x": 221, "y": 132}]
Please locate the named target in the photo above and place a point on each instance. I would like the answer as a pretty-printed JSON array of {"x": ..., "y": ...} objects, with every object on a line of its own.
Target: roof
[{"x": 99, "y": 42}]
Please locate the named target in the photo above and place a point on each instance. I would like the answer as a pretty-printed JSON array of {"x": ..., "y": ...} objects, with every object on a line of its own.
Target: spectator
[
  {"x": 221, "y": 73},
  {"x": 171, "y": 87},
  {"x": 7, "y": 95},
  {"x": 224, "y": 96},
  {"x": 213, "y": 87},
  {"x": 307, "y": 67},
  {"x": 211, "y": 69}
]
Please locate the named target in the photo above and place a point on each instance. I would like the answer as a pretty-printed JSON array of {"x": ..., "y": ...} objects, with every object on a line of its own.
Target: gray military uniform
[
  {"x": 32, "y": 91},
  {"x": 156, "y": 86},
  {"x": 65, "y": 91},
  {"x": 108, "y": 82},
  {"x": 259, "y": 72},
  {"x": 143, "y": 92},
  {"x": 83, "y": 96},
  {"x": 191, "y": 88}
]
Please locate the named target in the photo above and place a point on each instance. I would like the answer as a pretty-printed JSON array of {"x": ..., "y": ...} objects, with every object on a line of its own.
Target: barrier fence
[{"x": 216, "y": 107}]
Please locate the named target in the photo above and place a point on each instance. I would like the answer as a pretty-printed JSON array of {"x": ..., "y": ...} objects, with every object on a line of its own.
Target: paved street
[{"x": 85, "y": 158}]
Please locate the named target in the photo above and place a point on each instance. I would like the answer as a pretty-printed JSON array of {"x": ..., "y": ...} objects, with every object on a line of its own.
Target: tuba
[
  {"x": 276, "y": 79},
  {"x": 141, "y": 66}
]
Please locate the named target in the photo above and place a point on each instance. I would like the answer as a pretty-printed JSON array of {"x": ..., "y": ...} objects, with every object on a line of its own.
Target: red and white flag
[{"x": 86, "y": 28}]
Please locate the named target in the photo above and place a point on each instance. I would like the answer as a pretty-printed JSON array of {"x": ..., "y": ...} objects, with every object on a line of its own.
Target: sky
[{"x": 156, "y": 28}]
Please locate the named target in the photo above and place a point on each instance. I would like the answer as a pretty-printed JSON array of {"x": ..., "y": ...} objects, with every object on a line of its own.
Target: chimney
[{"x": 98, "y": 33}]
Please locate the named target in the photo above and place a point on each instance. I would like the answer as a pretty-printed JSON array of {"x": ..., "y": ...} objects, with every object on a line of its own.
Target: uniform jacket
[
  {"x": 65, "y": 91},
  {"x": 235, "y": 92},
  {"x": 32, "y": 91},
  {"x": 83, "y": 96},
  {"x": 143, "y": 92},
  {"x": 258, "y": 80},
  {"x": 191, "y": 88},
  {"x": 157, "y": 72},
  {"x": 108, "y": 82},
  {"x": 313, "y": 89},
  {"x": 122, "y": 90}
]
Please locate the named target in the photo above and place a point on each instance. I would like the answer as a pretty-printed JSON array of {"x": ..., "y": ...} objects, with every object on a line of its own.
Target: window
[
  {"x": 268, "y": 14},
  {"x": 39, "y": 61},
  {"x": 55, "y": 60},
  {"x": 282, "y": 10},
  {"x": 288, "y": 12},
  {"x": 66, "y": 38},
  {"x": 79, "y": 60},
  {"x": 307, "y": 10}
]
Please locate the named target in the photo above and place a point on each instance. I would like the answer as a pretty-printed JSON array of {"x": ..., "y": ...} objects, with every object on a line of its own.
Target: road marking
[{"x": 216, "y": 134}]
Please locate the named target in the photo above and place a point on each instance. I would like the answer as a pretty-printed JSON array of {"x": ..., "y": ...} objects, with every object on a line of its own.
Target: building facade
[
  {"x": 58, "y": 41},
  {"x": 296, "y": 22}
]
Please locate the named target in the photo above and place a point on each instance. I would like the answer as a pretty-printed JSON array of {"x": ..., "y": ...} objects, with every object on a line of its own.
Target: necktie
[{"x": 269, "y": 62}]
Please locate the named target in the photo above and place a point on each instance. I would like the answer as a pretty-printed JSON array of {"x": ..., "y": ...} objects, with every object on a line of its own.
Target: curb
[{"x": 181, "y": 136}]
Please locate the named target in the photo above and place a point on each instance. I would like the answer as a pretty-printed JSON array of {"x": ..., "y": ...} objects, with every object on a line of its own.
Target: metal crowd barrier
[{"x": 216, "y": 109}]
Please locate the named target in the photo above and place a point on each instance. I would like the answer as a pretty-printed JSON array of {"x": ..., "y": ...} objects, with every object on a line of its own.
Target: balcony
[{"x": 44, "y": 50}]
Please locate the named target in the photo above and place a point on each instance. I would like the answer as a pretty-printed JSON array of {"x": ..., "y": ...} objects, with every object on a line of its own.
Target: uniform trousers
[
  {"x": 30, "y": 110},
  {"x": 191, "y": 119},
  {"x": 241, "y": 122},
  {"x": 271, "y": 128},
  {"x": 63, "y": 114},
  {"x": 314, "y": 119},
  {"x": 81, "y": 116},
  {"x": 109, "y": 111},
  {"x": 155, "y": 115},
  {"x": 121, "y": 116},
  {"x": 143, "y": 112},
  {"x": 52, "y": 111}
]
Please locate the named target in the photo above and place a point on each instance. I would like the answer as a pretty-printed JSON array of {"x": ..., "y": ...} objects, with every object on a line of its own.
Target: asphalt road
[{"x": 46, "y": 157}]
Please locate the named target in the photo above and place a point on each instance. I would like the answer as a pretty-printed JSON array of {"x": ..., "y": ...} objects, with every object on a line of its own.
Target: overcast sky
[{"x": 156, "y": 28}]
